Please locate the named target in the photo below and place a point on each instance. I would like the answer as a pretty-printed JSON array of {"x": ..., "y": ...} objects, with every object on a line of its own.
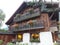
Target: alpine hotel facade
[{"x": 36, "y": 22}]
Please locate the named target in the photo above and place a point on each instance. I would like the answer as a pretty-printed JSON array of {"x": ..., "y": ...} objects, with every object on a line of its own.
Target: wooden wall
[{"x": 7, "y": 37}]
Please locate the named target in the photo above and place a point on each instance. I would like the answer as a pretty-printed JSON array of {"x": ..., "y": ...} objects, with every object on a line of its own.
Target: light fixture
[
  {"x": 35, "y": 35},
  {"x": 19, "y": 36}
]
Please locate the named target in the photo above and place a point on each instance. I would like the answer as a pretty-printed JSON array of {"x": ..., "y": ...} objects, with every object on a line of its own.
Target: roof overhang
[{"x": 22, "y": 7}]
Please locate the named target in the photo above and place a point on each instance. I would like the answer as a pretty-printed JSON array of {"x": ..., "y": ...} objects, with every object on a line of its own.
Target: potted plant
[{"x": 18, "y": 16}]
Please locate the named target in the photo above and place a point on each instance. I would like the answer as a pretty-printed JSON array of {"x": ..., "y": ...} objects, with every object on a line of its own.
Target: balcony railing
[
  {"x": 36, "y": 25},
  {"x": 26, "y": 16}
]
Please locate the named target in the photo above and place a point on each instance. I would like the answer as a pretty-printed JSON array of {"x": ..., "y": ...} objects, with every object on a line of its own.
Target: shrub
[
  {"x": 1, "y": 41},
  {"x": 56, "y": 43},
  {"x": 9, "y": 43}
]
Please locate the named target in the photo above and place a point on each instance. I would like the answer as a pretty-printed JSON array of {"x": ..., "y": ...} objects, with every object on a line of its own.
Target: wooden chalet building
[{"x": 34, "y": 22}]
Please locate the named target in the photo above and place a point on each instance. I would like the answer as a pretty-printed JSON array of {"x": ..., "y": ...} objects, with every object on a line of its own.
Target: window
[
  {"x": 34, "y": 37},
  {"x": 19, "y": 37}
]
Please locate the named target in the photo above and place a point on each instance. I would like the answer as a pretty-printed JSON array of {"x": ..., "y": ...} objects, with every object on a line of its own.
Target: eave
[
  {"x": 23, "y": 6},
  {"x": 7, "y": 33}
]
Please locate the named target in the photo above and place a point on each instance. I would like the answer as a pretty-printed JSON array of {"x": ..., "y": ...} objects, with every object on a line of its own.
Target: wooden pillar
[
  {"x": 45, "y": 18},
  {"x": 6, "y": 38},
  {"x": 10, "y": 38},
  {"x": 16, "y": 37},
  {"x": 2, "y": 36},
  {"x": 55, "y": 37}
]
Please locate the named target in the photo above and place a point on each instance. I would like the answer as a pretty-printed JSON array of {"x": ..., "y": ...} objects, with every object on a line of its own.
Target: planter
[{"x": 34, "y": 40}]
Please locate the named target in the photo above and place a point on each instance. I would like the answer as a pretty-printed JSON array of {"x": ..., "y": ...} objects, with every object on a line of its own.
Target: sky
[{"x": 9, "y": 7}]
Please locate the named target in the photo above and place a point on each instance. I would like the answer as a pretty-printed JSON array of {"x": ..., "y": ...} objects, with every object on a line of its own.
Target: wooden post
[
  {"x": 2, "y": 36},
  {"x": 6, "y": 38},
  {"x": 45, "y": 18},
  {"x": 16, "y": 37}
]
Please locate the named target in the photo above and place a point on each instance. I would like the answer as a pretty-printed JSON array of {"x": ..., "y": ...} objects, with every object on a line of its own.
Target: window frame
[
  {"x": 37, "y": 40},
  {"x": 20, "y": 40}
]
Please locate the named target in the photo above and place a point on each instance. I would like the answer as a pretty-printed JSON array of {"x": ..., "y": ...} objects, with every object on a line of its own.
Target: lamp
[
  {"x": 19, "y": 36},
  {"x": 35, "y": 36}
]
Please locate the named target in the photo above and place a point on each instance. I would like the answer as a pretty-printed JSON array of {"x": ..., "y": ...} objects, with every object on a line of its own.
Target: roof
[{"x": 23, "y": 6}]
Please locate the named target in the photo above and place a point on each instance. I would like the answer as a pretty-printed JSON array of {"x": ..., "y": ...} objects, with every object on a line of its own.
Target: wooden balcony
[
  {"x": 35, "y": 25},
  {"x": 27, "y": 16}
]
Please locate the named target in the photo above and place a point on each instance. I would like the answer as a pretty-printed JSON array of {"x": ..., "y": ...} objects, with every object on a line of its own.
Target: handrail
[{"x": 35, "y": 25}]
